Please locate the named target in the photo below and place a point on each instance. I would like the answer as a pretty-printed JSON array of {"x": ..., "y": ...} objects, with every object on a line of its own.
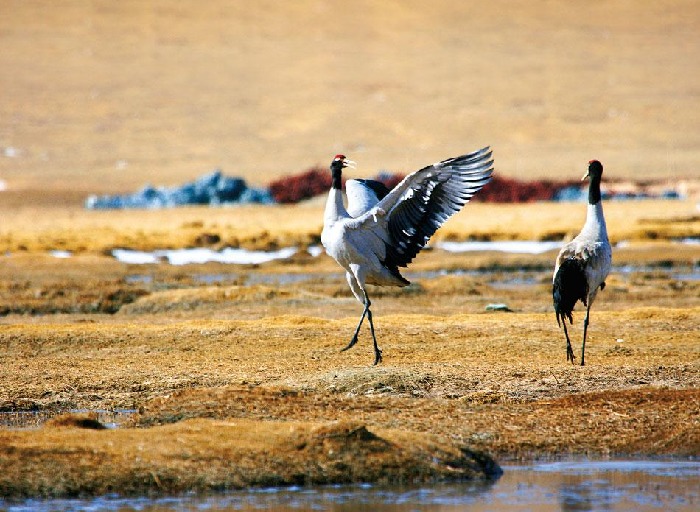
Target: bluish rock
[
  {"x": 257, "y": 196},
  {"x": 571, "y": 194},
  {"x": 213, "y": 189}
]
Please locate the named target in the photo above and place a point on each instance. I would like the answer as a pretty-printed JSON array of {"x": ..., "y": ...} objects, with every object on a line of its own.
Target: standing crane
[
  {"x": 583, "y": 264},
  {"x": 382, "y": 230}
]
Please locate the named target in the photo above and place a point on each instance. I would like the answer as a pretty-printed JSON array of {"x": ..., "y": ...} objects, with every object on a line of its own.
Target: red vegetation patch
[
  {"x": 509, "y": 190},
  {"x": 316, "y": 181},
  {"x": 292, "y": 189}
]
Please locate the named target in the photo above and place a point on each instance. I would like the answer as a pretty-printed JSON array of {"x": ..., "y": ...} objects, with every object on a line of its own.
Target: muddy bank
[
  {"x": 63, "y": 460},
  {"x": 620, "y": 423}
]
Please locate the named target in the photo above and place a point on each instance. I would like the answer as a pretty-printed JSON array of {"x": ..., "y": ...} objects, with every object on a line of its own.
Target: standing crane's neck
[
  {"x": 594, "y": 190},
  {"x": 595, "y": 220}
]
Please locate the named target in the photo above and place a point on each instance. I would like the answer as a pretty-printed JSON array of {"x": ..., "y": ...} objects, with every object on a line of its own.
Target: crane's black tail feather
[{"x": 570, "y": 286}]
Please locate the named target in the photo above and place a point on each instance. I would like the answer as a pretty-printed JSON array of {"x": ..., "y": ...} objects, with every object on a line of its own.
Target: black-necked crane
[
  {"x": 382, "y": 230},
  {"x": 583, "y": 264}
]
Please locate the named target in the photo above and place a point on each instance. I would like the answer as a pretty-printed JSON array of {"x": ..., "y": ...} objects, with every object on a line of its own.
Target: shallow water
[
  {"x": 642, "y": 486},
  {"x": 499, "y": 278},
  {"x": 23, "y": 420},
  {"x": 245, "y": 257}
]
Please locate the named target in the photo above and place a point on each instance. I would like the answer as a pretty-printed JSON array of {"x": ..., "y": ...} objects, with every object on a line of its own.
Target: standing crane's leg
[
  {"x": 585, "y": 330},
  {"x": 359, "y": 293},
  {"x": 368, "y": 313},
  {"x": 569, "y": 350},
  {"x": 357, "y": 329},
  {"x": 356, "y": 282},
  {"x": 377, "y": 350}
]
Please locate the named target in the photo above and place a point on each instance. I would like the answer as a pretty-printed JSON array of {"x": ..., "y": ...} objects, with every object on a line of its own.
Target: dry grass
[
  {"x": 254, "y": 353},
  {"x": 33, "y": 227},
  {"x": 106, "y": 96},
  {"x": 123, "y": 361},
  {"x": 267, "y": 390}
]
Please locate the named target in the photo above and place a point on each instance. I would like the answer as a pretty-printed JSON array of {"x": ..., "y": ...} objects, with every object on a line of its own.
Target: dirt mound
[
  {"x": 382, "y": 381},
  {"x": 347, "y": 442}
]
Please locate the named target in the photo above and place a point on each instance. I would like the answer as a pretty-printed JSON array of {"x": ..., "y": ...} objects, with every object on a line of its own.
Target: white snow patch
[
  {"x": 202, "y": 255},
  {"x": 61, "y": 254},
  {"x": 135, "y": 257},
  {"x": 315, "y": 250},
  {"x": 511, "y": 246}
]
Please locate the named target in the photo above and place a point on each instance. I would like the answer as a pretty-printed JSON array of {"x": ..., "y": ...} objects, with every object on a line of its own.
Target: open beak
[{"x": 349, "y": 163}]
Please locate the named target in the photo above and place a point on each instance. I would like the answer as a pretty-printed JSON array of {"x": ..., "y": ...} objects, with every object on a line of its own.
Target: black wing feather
[
  {"x": 434, "y": 200},
  {"x": 570, "y": 286}
]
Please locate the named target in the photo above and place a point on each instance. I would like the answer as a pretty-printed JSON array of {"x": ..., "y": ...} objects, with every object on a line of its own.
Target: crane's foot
[
  {"x": 377, "y": 356},
  {"x": 570, "y": 354},
  {"x": 351, "y": 344}
]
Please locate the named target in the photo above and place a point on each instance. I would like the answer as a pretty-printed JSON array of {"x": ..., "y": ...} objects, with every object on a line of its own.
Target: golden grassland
[
  {"x": 236, "y": 374},
  {"x": 32, "y": 224},
  {"x": 105, "y": 96}
]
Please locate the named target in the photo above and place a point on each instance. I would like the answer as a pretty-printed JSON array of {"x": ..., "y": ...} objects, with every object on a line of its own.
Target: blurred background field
[{"x": 104, "y": 96}]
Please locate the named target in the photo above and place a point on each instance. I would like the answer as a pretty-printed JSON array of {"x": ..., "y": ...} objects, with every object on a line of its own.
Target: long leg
[
  {"x": 359, "y": 293},
  {"x": 357, "y": 329},
  {"x": 569, "y": 350},
  {"x": 377, "y": 350},
  {"x": 585, "y": 330},
  {"x": 367, "y": 312},
  {"x": 356, "y": 281}
]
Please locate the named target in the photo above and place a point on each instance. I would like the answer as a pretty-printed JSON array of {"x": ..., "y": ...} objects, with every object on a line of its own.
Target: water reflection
[
  {"x": 642, "y": 486},
  {"x": 27, "y": 420}
]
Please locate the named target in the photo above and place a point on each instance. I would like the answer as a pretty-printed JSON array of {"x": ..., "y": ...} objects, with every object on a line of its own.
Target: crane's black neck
[
  {"x": 594, "y": 190},
  {"x": 336, "y": 176},
  {"x": 595, "y": 174}
]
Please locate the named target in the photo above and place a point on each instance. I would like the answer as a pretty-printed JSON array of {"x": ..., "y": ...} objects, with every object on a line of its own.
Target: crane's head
[
  {"x": 337, "y": 165},
  {"x": 340, "y": 162},
  {"x": 595, "y": 170}
]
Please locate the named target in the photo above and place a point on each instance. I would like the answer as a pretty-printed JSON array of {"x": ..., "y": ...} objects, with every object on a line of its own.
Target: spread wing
[{"x": 411, "y": 213}]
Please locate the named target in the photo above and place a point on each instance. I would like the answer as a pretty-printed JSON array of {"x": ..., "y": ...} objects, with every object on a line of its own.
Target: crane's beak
[
  {"x": 349, "y": 163},
  {"x": 587, "y": 175}
]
